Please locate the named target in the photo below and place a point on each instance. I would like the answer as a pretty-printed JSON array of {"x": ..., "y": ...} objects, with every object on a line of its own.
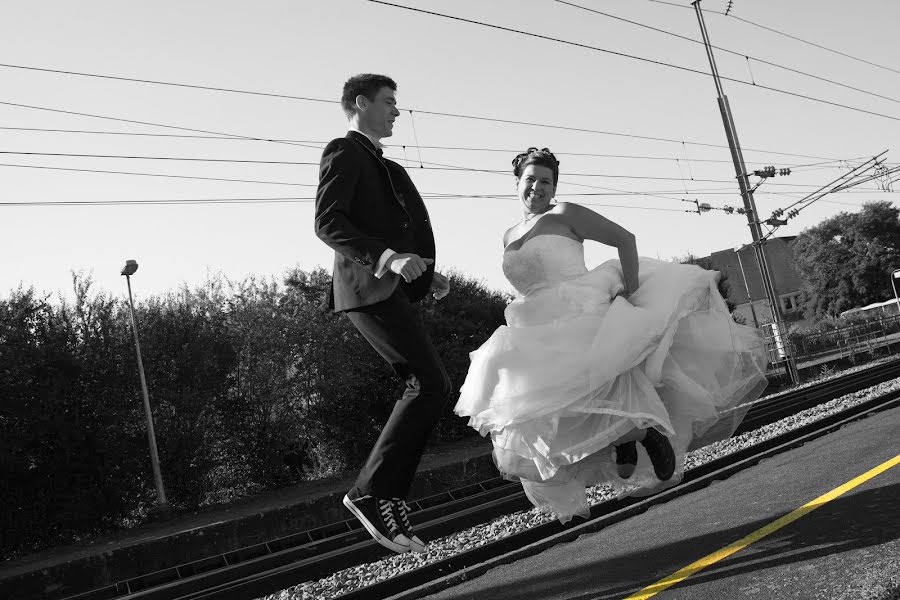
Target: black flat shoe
[
  {"x": 661, "y": 454},
  {"x": 626, "y": 459}
]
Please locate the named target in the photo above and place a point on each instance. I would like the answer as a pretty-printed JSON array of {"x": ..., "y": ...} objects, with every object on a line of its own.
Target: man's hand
[
  {"x": 408, "y": 266},
  {"x": 440, "y": 286}
]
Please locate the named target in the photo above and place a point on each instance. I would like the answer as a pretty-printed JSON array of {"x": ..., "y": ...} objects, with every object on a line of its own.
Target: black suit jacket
[{"x": 366, "y": 204}]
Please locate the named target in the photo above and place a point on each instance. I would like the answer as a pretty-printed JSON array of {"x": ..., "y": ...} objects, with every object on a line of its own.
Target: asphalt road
[{"x": 847, "y": 548}]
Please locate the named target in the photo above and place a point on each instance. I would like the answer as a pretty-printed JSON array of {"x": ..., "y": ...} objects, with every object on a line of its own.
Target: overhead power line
[
  {"x": 169, "y": 83},
  {"x": 317, "y": 144},
  {"x": 223, "y": 136},
  {"x": 635, "y": 57},
  {"x": 170, "y": 158},
  {"x": 166, "y": 175},
  {"x": 433, "y": 166},
  {"x": 827, "y": 49},
  {"x": 305, "y": 98},
  {"x": 151, "y": 201},
  {"x": 280, "y": 200},
  {"x": 781, "y": 33},
  {"x": 294, "y": 97},
  {"x": 728, "y": 51},
  {"x": 435, "y": 113},
  {"x": 133, "y": 121},
  {"x": 428, "y": 166},
  {"x": 844, "y": 182},
  {"x": 309, "y": 199}
]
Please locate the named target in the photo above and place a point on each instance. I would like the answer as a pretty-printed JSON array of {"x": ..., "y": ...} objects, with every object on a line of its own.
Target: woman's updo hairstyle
[{"x": 533, "y": 156}]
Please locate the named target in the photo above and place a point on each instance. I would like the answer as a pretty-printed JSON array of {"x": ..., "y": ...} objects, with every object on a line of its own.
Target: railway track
[{"x": 267, "y": 568}]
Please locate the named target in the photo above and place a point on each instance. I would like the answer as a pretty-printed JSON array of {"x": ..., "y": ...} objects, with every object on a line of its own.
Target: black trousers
[{"x": 395, "y": 331}]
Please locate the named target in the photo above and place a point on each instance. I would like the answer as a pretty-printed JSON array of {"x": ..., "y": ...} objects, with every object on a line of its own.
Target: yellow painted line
[{"x": 710, "y": 559}]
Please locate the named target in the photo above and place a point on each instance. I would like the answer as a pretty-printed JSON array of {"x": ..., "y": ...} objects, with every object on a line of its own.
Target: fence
[{"x": 808, "y": 349}]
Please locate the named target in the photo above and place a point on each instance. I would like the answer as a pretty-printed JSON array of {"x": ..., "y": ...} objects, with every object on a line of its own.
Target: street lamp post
[{"x": 128, "y": 270}]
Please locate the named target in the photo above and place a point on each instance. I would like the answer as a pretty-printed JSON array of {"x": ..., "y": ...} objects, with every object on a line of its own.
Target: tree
[
  {"x": 254, "y": 385},
  {"x": 846, "y": 261}
]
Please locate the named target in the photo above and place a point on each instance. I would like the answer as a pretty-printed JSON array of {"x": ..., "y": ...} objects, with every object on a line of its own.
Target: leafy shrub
[{"x": 254, "y": 385}]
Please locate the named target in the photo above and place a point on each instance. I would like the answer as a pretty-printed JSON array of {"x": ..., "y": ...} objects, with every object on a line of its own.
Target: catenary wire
[
  {"x": 433, "y": 166},
  {"x": 781, "y": 33},
  {"x": 430, "y": 167},
  {"x": 165, "y": 175},
  {"x": 133, "y": 121},
  {"x": 318, "y": 144},
  {"x": 434, "y": 113},
  {"x": 281, "y": 200},
  {"x": 299, "y": 199},
  {"x": 169, "y": 158},
  {"x": 305, "y": 98},
  {"x": 729, "y": 51},
  {"x": 634, "y": 57}
]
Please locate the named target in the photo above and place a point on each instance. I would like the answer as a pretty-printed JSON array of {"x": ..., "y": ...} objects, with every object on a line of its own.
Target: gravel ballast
[{"x": 347, "y": 580}]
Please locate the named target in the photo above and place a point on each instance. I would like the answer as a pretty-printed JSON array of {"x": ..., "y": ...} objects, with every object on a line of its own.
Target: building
[{"x": 742, "y": 271}]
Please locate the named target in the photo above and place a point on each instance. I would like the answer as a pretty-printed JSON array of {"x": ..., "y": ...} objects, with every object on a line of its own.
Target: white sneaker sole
[
  {"x": 417, "y": 545},
  {"x": 376, "y": 535}
]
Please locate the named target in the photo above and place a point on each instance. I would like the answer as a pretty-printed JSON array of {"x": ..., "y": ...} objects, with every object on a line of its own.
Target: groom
[{"x": 369, "y": 211}]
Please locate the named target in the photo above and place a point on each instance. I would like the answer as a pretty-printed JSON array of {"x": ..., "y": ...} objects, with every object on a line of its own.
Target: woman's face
[{"x": 536, "y": 188}]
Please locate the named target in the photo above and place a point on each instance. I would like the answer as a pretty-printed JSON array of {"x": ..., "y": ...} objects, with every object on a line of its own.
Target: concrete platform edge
[{"x": 64, "y": 576}]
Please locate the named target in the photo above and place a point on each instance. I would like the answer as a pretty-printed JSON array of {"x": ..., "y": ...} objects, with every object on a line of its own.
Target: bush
[{"x": 254, "y": 385}]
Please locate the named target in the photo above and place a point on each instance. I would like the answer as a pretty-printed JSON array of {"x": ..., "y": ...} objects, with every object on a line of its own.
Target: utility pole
[{"x": 749, "y": 204}]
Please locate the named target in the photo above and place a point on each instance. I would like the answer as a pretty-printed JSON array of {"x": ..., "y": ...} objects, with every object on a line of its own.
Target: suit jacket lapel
[{"x": 367, "y": 144}]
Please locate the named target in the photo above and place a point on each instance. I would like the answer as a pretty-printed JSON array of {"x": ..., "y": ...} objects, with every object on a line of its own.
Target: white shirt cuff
[{"x": 381, "y": 265}]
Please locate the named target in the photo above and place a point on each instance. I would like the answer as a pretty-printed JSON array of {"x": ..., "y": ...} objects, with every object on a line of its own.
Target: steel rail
[
  {"x": 434, "y": 577},
  {"x": 314, "y": 554}
]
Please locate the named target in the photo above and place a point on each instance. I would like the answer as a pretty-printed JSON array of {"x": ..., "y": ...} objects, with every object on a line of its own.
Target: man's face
[{"x": 376, "y": 117}]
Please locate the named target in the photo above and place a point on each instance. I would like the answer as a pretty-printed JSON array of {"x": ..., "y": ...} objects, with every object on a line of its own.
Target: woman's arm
[{"x": 589, "y": 225}]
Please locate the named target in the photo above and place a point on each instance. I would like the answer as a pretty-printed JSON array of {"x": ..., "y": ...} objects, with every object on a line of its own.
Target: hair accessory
[{"x": 533, "y": 154}]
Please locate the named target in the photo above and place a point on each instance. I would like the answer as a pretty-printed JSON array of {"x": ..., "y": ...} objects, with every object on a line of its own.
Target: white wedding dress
[{"x": 575, "y": 368}]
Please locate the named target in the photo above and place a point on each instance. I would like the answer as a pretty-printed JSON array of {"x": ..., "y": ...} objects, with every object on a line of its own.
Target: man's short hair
[{"x": 365, "y": 84}]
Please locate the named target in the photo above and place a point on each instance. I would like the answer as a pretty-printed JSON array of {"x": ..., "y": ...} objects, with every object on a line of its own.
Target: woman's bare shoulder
[{"x": 508, "y": 234}]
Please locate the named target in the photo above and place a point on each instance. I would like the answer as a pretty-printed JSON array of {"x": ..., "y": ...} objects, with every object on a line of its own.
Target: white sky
[{"x": 307, "y": 48}]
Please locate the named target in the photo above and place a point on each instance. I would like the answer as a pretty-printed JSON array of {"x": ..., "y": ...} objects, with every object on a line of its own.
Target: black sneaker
[
  {"x": 401, "y": 515},
  {"x": 626, "y": 459},
  {"x": 377, "y": 516},
  {"x": 661, "y": 454}
]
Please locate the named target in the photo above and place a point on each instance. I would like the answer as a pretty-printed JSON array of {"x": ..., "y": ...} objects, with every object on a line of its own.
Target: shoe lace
[
  {"x": 387, "y": 514},
  {"x": 402, "y": 509}
]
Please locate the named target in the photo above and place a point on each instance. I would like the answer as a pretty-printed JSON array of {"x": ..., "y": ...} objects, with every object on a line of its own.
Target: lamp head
[{"x": 130, "y": 267}]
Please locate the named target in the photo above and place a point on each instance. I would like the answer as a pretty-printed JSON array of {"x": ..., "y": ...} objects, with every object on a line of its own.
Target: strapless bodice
[{"x": 543, "y": 260}]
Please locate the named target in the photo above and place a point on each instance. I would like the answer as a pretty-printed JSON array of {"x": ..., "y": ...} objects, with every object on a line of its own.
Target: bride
[{"x": 606, "y": 375}]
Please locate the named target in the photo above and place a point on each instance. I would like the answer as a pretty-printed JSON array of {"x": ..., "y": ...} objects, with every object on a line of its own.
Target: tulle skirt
[{"x": 577, "y": 367}]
